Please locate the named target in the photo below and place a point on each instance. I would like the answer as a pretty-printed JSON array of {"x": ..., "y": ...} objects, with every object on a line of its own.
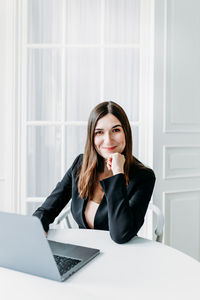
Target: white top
[
  {"x": 90, "y": 212},
  {"x": 140, "y": 269}
]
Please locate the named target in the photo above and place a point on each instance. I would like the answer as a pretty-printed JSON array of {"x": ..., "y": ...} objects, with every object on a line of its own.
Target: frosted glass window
[
  {"x": 122, "y": 21},
  {"x": 135, "y": 140},
  {"x": 45, "y": 22},
  {"x": 43, "y": 159},
  {"x": 31, "y": 207},
  {"x": 83, "y": 23},
  {"x": 75, "y": 138},
  {"x": 44, "y": 84},
  {"x": 121, "y": 79},
  {"x": 78, "y": 54},
  {"x": 82, "y": 82}
]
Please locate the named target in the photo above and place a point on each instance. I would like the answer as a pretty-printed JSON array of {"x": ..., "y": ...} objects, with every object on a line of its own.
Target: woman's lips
[{"x": 109, "y": 148}]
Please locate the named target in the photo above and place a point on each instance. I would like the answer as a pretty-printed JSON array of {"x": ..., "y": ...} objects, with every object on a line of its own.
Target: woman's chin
[{"x": 105, "y": 155}]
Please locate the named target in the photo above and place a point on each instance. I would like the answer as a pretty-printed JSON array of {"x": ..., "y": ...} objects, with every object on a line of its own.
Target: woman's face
[{"x": 109, "y": 136}]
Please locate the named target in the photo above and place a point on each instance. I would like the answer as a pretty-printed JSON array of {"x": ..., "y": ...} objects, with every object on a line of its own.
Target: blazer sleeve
[
  {"x": 126, "y": 215},
  {"x": 57, "y": 200}
]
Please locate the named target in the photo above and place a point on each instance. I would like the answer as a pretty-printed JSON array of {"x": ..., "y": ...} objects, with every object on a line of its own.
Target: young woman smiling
[{"x": 110, "y": 189}]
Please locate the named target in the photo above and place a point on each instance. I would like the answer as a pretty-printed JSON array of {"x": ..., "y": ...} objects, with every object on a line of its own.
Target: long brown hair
[{"x": 93, "y": 163}]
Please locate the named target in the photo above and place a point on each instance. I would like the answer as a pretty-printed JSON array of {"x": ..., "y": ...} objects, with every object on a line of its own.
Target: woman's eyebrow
[{"x": 118, "y": 125}]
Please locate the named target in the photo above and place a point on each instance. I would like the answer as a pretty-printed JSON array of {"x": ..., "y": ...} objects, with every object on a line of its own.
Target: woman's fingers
[
  {"x": 109, "y": 163},
  {"x": 117, "y": 161}
]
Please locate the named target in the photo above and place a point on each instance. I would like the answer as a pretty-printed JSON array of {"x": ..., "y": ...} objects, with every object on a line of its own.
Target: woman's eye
[
  {"x": 98, "y": 132},
  {"x": 116, "y": 130}
]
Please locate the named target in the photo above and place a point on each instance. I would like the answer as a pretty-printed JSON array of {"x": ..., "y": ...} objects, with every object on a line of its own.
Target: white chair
[
  {"x": 159, "y": 221},
  {"x": 66, "y": 219}
]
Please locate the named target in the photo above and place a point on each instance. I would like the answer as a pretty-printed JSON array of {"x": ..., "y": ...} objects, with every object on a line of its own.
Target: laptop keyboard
[{"x": 65, "y": 263}]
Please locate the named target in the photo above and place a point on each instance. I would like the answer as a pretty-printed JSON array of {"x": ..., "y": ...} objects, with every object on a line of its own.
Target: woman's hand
[{"x": 115, "y": 162}]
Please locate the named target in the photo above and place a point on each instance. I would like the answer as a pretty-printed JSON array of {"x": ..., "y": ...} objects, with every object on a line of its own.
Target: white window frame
[{"x": 17, "y": 99}]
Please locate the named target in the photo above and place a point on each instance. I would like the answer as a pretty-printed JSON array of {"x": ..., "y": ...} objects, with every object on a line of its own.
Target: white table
[{"x": 139, "y": 269}]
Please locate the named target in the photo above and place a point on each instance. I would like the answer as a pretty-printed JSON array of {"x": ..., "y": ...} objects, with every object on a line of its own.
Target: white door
[{"x": 177, "y": 121}]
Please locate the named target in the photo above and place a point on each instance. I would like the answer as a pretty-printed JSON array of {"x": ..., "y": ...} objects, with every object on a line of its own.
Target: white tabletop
[{"x": 139, "y": 269}]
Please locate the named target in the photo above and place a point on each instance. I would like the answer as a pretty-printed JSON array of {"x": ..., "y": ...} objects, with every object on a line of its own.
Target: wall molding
[
  {"x": 165, "y": 147},
  {"x": 175, "y": 206},
  {"x": 170, "y": 125}
]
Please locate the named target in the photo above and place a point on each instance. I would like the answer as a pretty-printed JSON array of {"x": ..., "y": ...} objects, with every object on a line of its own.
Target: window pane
[
  {"x": 31, "y": 207},
  {"x": 135, "y": 139},
  {"x": 83, "y": 21},
  {"x": 43, "y": 159},
  {"x": 44, "y": 84},
  {"x": 122, "y": 79},
  {"x": 75, "y": 138},
  {"x": 82, "y": 82},
  {"x": 122, "y": 21},
  {"x": 44, "y": 21}
]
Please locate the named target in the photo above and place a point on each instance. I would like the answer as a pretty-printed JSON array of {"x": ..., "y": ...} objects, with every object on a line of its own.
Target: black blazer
[{"x": 121, "y": 210}]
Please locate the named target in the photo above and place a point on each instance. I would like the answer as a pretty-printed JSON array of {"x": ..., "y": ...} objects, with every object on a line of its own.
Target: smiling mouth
[{"x": 109, "y": 148}]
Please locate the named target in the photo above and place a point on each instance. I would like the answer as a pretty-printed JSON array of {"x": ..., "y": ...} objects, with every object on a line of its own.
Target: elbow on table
[{"x": 122, "y": 239}]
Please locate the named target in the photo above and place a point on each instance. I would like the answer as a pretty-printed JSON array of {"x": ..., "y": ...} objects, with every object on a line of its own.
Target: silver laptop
[{"x": 24, "y": 247}]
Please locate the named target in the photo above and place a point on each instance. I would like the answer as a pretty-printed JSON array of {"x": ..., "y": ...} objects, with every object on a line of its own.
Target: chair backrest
[
  {"x": 160, "y": 221},
  {"x": 65, "y": 220},
  {"x": 153, "y": 224}
]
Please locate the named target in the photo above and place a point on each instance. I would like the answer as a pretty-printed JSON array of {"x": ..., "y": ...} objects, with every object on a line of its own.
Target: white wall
[
  {"x": 7, "y": 105},
  {"x": 177, "y": 121},
  {"x": 3, "y": 97}
]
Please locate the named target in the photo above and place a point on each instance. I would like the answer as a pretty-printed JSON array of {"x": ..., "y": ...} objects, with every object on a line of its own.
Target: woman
[{"x": 109, "y": 187}]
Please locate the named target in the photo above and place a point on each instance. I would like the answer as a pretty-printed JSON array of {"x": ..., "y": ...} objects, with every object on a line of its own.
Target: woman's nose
[{"x": 107, "y": 138}]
